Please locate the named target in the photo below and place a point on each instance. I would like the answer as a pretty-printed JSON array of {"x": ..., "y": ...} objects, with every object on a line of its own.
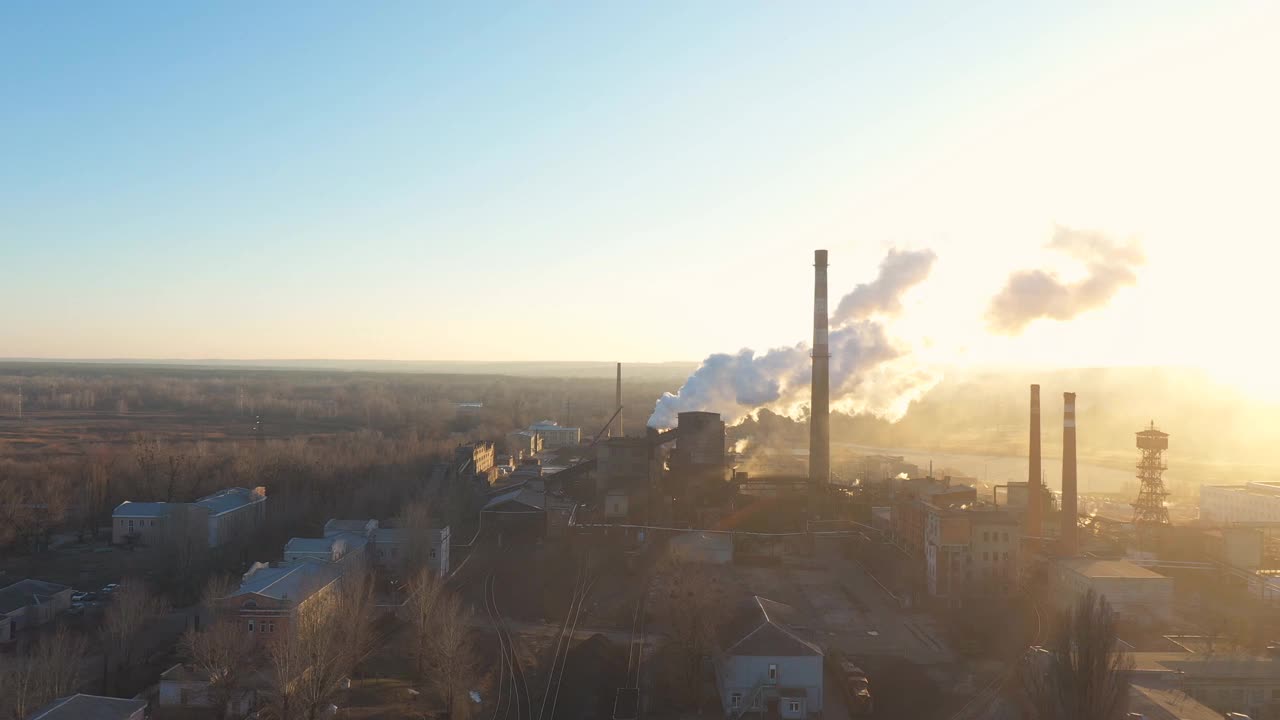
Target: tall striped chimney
[
  {"x": 820, "y": 387},
  {"x": 1070, "y": 509},
  {"x": 1034, "y": 492},
  {"x": 618, "y": 406}
]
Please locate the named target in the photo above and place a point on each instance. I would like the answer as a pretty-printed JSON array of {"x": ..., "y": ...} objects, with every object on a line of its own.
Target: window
[
  {"x": 985, "y": 537},
  {"x": 1255, "y": 696},
  {"x": 433, "y": 553},
  {"x": 130, "y": 524},
  {"x": 985, "y": 557},
  {"x": 1006, "y": 537},
  {"x": 735, "y": 700},
  {"x": 271, "y": 626},
  {"x": 794, "y": 706},
  {"x": 773, "y": 673},
  {"x": 1006, "y": 556},
  {"x": 251, "y": 626}
]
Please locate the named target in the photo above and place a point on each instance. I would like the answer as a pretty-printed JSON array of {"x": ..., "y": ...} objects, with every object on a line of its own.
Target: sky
[{"x": 641, "y": 181}]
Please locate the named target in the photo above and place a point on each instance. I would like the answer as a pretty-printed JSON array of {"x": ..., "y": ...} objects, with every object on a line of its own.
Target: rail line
[
  {"x": 982, "y": 701},
  {"x": 555, "y": 678},
  {"x": 518, "y": 699}
]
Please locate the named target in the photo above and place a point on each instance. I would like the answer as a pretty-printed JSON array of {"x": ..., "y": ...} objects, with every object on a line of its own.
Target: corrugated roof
[
  {"x": 309, "y": 545},
  {"x": 294, "y": 581},
  {"x": 772, "y": 634},
  {"x": 224, "y": 501},
  {"x": 335, "y": 526},
  {"x": 1095, "y": 568},
  {"x": 27, "y": 592},
  {"x": 523, "y": 496},
  {"x": 128, "y": 508},
  {"x": 89, "y": 707}
]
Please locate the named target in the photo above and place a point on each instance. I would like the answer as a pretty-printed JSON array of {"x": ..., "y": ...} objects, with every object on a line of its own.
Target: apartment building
[{"x": 269, "y": 598}]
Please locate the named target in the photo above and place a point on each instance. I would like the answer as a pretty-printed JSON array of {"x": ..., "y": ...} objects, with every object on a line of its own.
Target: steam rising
[
  {"x": 869, "y": 372},
  {"x": 1033, "y": 294}
]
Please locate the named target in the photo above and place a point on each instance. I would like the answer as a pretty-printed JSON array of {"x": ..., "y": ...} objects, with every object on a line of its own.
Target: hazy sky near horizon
[{"x": 627, "y": 181}]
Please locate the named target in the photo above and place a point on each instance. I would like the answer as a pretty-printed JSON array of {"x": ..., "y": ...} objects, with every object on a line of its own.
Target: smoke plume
[
  {"x": 1033, "y": 294},
  {"x": 869, "y": 372}
]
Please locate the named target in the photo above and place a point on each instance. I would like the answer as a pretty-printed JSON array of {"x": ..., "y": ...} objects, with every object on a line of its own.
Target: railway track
[
  {"x": 635, "y": 651},
  {"x": 555, "y": 678},
  {"x": 511, "y": 680},
  {"x": 982, "y": 702}
]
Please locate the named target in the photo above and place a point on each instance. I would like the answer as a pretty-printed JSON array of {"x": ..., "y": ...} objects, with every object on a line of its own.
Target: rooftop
[
  {"x": 27, "y": 592},
  {"x": 128, "y": 508},
  {"x": 1192, "y": 666},
  {"x": 310, "y": 545},
  {"x": 523, "y": 496},
  {"x": 295, "y": 581},
  {"x": 768, "y": 630},
  {"x": 1162, "y": 701},
  {"x": 89, "y": 707},
  {"x": 335, "y": 526},
  {"x": 1095, "y": 568},
  {"x": 224, "y": 501}
]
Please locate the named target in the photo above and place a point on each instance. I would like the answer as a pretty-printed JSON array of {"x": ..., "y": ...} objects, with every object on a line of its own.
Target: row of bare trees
[{"x": 49, "y": 669}]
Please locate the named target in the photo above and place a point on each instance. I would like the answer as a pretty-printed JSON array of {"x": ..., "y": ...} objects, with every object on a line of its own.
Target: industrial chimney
[
  {"x": 820, "y": 400},
  {"x": 1070, "y": 511},
  {"x": 1034, "y": 495},
  {"x": 618, "y": 405}
]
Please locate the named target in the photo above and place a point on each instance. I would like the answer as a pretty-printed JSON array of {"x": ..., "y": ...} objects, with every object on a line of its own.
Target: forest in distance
[{"x": 82, "y": 415}]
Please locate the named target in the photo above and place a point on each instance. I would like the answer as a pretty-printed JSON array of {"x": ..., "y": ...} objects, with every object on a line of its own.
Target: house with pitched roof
[
  {"x": 28, "y": 603},
  {"x": 769, "y": 664},
  {"x": 211, "y": 521},
  {"x": 92, "y": 707},
  {"x": 269, "y": 598}
]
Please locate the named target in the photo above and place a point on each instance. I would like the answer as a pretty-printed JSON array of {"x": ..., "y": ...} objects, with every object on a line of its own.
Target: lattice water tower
[{"x": 1149, "y": 509}]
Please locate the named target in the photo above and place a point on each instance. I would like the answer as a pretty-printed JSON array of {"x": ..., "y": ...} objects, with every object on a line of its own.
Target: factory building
[
  {"x": 626, "y": 472},
  {"x": 908, "y": 515},
  {"x": 476, "y": 461},
  {"x": 523, "y": 444},
  {"x": 1225, "y": 682},
  {"x": 1252, "y": 502},
  {"x": 698, "y": 461},
  {"x": 970, "y": 550},
  {"x": 554, "y": 436},
  {"x": 1135, "y": 593}
]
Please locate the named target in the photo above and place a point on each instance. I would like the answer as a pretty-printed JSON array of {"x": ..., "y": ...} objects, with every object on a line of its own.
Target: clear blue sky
[{"x": 507, "y": 181}]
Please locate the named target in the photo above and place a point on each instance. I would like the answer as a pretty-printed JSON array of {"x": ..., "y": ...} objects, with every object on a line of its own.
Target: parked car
[
  {"x": 76, "y": 609},
  {"x": 88, "y": 597},
  {"x": 109, "y": 588},
  {"x": 78, "y": 596},
  {"x": 854, "y": 684}
]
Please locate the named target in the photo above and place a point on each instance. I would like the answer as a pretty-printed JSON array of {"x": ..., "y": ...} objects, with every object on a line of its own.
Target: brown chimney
[
  {"x": 1034, "y": 495},
  {"x": 1070, "y": 510},
  {"x": 820, "y": 385}
]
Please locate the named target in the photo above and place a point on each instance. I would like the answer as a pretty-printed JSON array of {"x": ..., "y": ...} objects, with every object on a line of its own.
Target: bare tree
[
  {"x": 454, "y": 666},
  {"x": 689, "y": 600},
  {"x": 418, "y": 523},
  {"x": 218, "y": 654},
  {"x": 309, "y": 663},
  {"x": 132, "y": 608},
  {"x": 50, "y": 670},
  {"x": 1082, "y": 672},
  {"x": 357, "y": 607},
  {"x": 419, "y": 610}
]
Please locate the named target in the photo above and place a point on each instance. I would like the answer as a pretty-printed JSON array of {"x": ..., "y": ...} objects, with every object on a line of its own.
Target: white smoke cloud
[
  {"x": 1033, "y": 294},
  {"x": 869, "y": 372}
]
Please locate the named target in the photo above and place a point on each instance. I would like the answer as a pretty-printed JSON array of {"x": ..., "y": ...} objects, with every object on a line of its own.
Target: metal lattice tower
[{"x": 1149, "y": 509}]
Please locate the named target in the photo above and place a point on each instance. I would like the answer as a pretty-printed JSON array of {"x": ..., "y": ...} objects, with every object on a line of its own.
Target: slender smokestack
[
  {"x": 820, "y": 400},
  {"x": 1033, "y": 471},
  {"x": 1069, "y": 508},
  {"x": 618, "y": 406}
]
